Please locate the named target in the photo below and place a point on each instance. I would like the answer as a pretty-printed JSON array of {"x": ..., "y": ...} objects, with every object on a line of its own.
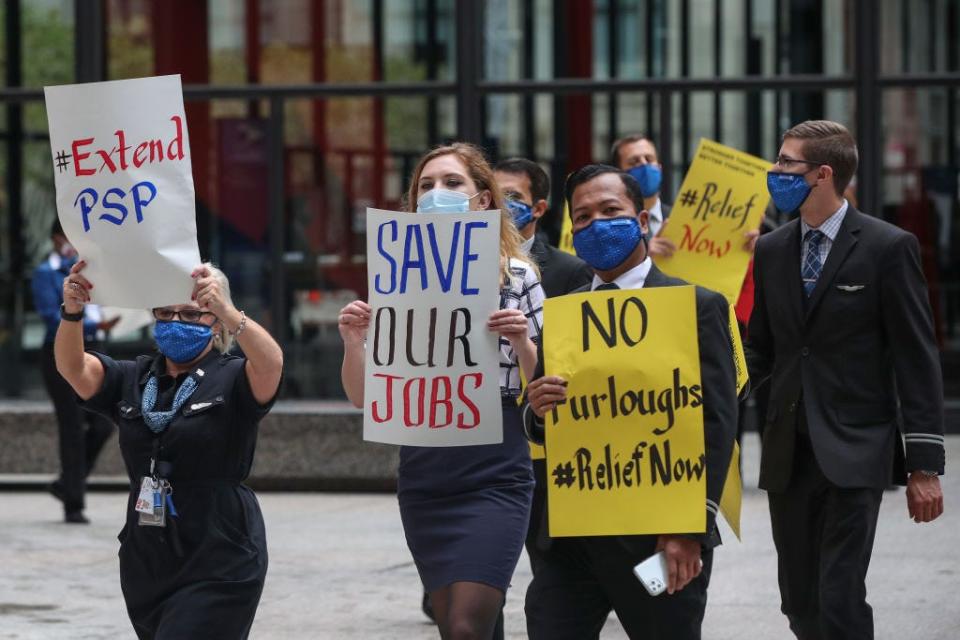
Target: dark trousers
[
  {"x": 582, "y": 579},
  {"x": 82, "y": 434},
  {"x": 824, "y": 538},
  {"x": 538, "y": 542}
]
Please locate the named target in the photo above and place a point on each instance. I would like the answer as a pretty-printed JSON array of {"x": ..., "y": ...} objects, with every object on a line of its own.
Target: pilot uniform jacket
[
  {"x": 858, "y": 357},
  {"x": 718, "y": 378},
  {"x": 201, "y": 578}
]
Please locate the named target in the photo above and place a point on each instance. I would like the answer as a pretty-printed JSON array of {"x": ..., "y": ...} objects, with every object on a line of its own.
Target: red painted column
[
  {"x": 579, "y": 64},
  {"x": 181, "y": 46}
]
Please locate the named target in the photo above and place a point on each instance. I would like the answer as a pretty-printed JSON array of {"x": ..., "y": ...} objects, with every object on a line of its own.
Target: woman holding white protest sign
[
  {"x": 465, "y": 509},
  {"x": 193, "y": 553}
]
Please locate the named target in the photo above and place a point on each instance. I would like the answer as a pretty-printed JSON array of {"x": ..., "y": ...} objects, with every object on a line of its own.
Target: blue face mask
[
  {"x": 522, "y": 213},
  {"x": 181, "y": 341},
  {"x": 607, "y": 242},
  {"x": 444, "y": 201},
  {"x": 788, "y": 190},
  {"x": 649, "y": 176}
]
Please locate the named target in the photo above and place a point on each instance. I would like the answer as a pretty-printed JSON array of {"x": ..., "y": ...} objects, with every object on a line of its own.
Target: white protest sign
[
  {"x": 432, "y": 367},
  {"x": 121, "y": 159}
]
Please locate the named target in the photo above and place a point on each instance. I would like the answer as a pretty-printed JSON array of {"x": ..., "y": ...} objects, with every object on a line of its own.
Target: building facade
[{"x": 302, "y": 113}]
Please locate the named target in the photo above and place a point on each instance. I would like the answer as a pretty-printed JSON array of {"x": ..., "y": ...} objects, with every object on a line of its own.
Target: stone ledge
[{"x": 302, "y": 445}]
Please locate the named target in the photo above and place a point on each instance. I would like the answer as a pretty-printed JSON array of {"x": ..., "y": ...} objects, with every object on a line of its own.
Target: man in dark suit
[
  {"x": 842, "y": 328},
  {"x": 637, "y": 155},
  {"x": 523, "y": 182},
  {"x": 526, "y": 187},
  {"x": 582, "y": 579}
]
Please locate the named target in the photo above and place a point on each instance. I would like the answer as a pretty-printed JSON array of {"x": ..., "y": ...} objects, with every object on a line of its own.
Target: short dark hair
[
  {"x": 591, "y": 171},
  {"x": 829, "y": 143},
  {"x": 56, "y": 229},
  {"x": 630, "y": 139},
  {"x": 539, "y": 181}
]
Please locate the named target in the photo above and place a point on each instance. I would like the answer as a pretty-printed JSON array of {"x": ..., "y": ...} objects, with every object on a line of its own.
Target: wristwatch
[
  {"x": 929, "y": 474},
  {"x": 70, "y": 317}
]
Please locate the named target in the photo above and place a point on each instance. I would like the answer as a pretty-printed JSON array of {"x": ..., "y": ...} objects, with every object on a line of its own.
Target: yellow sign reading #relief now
[
  {"x": 625, "y": 452},
  {"x": 723, "y": 196}
]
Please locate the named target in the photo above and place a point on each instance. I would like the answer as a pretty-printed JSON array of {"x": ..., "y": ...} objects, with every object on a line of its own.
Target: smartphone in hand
[{"x": 652, "y": 572}]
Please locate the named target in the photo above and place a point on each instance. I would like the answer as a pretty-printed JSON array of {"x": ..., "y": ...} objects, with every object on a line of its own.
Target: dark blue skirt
[{"x": 465, "y": 510}]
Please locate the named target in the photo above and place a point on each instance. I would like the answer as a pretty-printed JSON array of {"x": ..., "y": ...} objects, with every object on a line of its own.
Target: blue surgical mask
[
  {"x": 181, "y": 341},
  {"x": 607, "y": 242},
  {"x": 649, "y": 176},
  {"x": 788, "y": 190},
  {"x": 522, "y": 213},
  {"x": 444, "y": 201}
]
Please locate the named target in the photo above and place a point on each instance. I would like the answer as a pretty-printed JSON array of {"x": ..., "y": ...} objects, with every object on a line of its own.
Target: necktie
[
  {"x": 812, "y": 265},
  {"x": 607, "y": 286}
]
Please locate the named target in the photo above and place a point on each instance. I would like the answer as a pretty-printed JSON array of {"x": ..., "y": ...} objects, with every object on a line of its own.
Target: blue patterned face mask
[
  {"x": 444, "y": 201},
  {"x": 181, "y": 341},
  {"x": 788, "y": 190},
  {"x": 649, "y": 176},
  {"x": 606, "y": 242},
  {"x": 522, "y": 213}
]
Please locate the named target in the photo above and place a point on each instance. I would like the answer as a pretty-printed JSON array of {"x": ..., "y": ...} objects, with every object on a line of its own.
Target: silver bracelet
[{"x": 240, "y": 327}]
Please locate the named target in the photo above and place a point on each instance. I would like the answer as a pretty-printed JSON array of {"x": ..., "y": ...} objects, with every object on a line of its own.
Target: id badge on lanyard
[{"x": 151, "y": 503}]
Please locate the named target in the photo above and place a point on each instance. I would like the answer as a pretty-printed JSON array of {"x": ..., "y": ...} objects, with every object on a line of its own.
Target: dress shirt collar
[
  {"x": 830, "y": 226},
  {"x": 632, "y": 279},
  {"x": 527, "y": 245}
]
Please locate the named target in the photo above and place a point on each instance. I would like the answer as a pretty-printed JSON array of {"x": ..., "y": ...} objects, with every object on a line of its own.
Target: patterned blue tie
[{"x": 812, "y": 265}]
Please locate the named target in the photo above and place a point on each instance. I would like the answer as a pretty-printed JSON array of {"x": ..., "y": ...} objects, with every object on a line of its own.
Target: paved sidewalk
[{"x": 339, "y": 569}]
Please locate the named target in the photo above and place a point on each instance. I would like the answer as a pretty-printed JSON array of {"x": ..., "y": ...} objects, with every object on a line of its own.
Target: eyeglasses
[
  {"x": 786, "y": 162},
  {"x": 186, "y": 315}
]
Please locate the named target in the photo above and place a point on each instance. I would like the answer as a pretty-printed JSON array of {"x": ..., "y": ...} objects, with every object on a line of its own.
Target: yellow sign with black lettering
[
  {"x": 723, "y": 196},
  {"x": 732, "y": 497},
  {"x": 625, "y": 451},
  {"x": 739, "y": 357},
  {"x": 566, "y": 232}
]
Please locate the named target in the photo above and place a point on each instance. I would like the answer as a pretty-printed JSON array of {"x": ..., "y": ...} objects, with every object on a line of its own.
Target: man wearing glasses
[{"x": 843, "y": 331}]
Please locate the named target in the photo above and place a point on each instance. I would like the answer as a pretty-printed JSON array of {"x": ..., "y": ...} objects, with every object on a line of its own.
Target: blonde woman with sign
[{"x": 465, "y": 509}]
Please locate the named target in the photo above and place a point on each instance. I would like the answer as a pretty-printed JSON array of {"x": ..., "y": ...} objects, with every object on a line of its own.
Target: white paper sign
[
  {"x": 121, "y": 159},
  {"x": 432, "y": 367}
]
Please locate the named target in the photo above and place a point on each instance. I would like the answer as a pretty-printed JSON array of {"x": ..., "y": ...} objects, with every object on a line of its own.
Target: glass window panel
[
  {"x": 47, "y": 38},
  {"x": 921, "y": 193}
]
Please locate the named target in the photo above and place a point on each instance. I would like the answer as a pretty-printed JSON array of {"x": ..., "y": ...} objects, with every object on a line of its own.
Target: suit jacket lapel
[
  {"x": 844, "y": 243},
  {"x": 655, "y": 278},
  {"x": 792, "y": 279}
]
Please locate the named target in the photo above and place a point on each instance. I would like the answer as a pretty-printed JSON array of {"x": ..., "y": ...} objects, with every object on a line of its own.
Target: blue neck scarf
[{"x": 158, "y": 421}]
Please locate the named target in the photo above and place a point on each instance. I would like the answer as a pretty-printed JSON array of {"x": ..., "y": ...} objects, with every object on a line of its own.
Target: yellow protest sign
[
  {"x": 732, "y": 496},
  {"x": 566, "y": 232},
  {"x": 625, "y": 452},
  {"x": 723, "y": 196}
]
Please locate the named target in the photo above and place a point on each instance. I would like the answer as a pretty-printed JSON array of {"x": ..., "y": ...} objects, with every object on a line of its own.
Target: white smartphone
[{"x": 652, "y": 572}]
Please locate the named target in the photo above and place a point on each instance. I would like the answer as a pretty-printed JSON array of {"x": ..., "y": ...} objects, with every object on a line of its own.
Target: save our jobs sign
[
  {"x": 625, "y": 451},
  {"x": 432, "y": 366},
  {"x": 723, "y": 196},
  {"x": 121, "y": 158}
]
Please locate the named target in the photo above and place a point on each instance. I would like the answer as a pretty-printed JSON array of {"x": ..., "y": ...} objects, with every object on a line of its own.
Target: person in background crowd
[
  {"x": 81, "y": 434},
  {"x": 637, "y": 155},
  {"x": 525, "y": 186},
  {"x": 465, "y": 509}
]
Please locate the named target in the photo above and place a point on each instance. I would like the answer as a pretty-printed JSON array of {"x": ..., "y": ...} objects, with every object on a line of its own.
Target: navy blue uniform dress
[
  {"x": 465, "y": 510},
  {"x": 203, "y": 577}
]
